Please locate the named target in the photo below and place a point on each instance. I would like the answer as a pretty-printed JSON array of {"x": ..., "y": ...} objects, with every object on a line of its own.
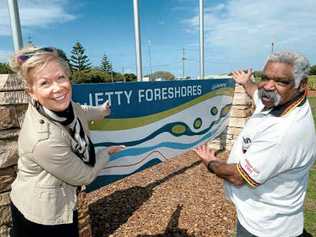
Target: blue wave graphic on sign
[{"x": 153, "y": 124}]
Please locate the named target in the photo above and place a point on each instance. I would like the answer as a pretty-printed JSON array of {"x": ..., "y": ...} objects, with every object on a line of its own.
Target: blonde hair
[{"x": 24, "y": 61}]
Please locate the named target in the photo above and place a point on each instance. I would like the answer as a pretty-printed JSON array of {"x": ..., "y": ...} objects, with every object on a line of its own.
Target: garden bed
[{"x": 175, "y": 198}]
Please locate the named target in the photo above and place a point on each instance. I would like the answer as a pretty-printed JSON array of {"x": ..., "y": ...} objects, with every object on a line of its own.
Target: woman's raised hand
[{"x": 106, "y": 107}]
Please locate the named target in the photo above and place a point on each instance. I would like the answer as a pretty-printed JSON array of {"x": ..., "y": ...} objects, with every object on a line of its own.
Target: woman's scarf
[{"x": 81, "y": 145}]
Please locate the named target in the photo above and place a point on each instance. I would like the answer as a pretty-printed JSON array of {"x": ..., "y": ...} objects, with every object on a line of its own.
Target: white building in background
[
  {"x": 214, "y": 76},
  {"x": 157, "y": 79},
  {"x": 145, "y": 78},
  {"x": 160, "y": 79}
]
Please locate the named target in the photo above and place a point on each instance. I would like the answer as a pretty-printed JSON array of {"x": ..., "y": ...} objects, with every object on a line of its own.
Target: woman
[{"x": 56, "y": 155}]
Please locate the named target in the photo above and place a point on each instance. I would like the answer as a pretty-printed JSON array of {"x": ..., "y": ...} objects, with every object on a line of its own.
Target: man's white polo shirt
[{"x": 274, "y": 155}]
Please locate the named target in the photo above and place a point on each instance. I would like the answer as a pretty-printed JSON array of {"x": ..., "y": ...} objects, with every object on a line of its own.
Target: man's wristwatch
[{"x": 209, "y": 166}]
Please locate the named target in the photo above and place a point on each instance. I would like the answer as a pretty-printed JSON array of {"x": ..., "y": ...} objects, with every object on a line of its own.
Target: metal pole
[
  {"x": 15, "y": 24},
  {"x": 137, "y": 42},
  {"x": 183, "y": 58},
  {"x": 201, "y": 39},
  {"x": 123, "y": 74},
  {"x": 149, "y": 51}
]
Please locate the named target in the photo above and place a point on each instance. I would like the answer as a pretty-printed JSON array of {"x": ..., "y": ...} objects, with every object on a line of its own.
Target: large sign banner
[{"x": 154, "y": 120}]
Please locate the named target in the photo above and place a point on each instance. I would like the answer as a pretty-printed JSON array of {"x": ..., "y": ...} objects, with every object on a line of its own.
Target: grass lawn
[
  {"x": 312, "y": 82},
  {"x": 310, "y": 202}
]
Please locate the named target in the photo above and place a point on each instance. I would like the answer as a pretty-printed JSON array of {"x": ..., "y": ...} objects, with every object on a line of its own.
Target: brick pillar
[
  {"x": 241, "y": 109},
  {"x": 219, "y": 143},
  {"x": 13, "y": 104}
]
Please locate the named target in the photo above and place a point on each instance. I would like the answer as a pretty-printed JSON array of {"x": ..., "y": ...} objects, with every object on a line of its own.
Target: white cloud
[
  {"x": 243, "y": 30},
  {"x": 35, "y": 13}
]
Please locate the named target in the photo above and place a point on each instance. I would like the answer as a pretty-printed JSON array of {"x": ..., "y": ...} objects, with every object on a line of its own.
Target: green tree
[
  {"x": 312, "y": 70},
  {"x": 161, "y": 74},
  {"x": 106, "y": 65},
  {"x": 93, "y": 76},
  {"x": 130, "y": 77},
  {"x": 79, "y": 61},
  {"x": 117, "y": 76},
  {"x": 257, "y": 75},
  {"x": 5, "y": 68}
]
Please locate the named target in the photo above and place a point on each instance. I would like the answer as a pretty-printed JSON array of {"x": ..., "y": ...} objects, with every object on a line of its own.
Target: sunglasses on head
[{"x": 23, "y": 57}]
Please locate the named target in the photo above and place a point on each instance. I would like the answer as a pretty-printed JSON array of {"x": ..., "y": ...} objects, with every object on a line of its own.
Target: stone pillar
[
  {"x": 219, "y": 143},
  {"x": 242, "y": 108},
  {"x": 13, "y": 104}
]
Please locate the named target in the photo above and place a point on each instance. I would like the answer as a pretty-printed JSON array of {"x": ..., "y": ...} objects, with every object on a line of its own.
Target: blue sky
[{"x": 238, "y": 33}]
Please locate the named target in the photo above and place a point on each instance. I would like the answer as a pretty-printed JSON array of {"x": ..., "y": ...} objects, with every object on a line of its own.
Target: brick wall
[{"x": 13, "y": 103}]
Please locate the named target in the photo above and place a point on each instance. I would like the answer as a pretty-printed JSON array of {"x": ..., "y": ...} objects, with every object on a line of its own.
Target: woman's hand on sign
[
  {"x": 242, "y": 77},
  {"x": 115, "y": 149},
  {"x": 205, "y": 154},
  {"x": 106, "y": 107}
]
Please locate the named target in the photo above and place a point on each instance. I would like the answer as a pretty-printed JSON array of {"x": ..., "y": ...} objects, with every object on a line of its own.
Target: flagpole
[
  {"x": 137, "y": 42},
  {"x": 15, "y": 24},
  {"x": 201, "y": 39}
]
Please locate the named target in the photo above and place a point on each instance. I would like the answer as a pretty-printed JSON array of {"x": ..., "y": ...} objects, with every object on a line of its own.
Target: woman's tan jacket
[{"x": 48, "y": 171}]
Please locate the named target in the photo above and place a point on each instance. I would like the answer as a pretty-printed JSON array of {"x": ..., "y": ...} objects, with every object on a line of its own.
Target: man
[{"x": 267, "y": 171}]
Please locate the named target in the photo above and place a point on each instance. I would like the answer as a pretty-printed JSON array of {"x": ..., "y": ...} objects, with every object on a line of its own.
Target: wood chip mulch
[{"x": 174, "y": 198}]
